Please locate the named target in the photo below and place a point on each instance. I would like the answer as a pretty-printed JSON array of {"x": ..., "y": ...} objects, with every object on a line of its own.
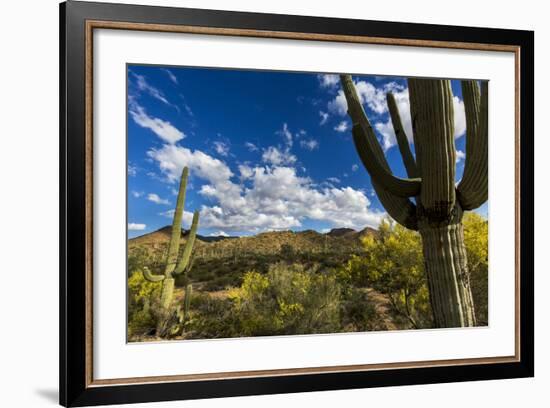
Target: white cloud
[
  {"x": 385, "y": 128},
  {"x": 354, "y": 167},
  {"x": 279, "y": 199},
  {"x": 328, "y": 80},
  {"x": 137, "y": 194},
  {"x": 171, "y": 75},
  {"x": 219, "y": 233},
  {"x": 275, "y": 156},
  {"x": 334, "y": 179},
  {"x": 460, "y": 155},
  {"x": 286, "y": 134},
  {"x": 459, "y": 116},
  {"x": 341, "y": 127},
  {"x": 274, "y": 197},
  {"x": 132, "y": 170},
  {"x": 144, "y": 86},
  {"x": 251, "y": 147},
  {"x": 156, "y": 199},
  {"x": 370, "y": 95},
  {"x": 136, "y": 227},
  {"x": 311, "y": 144},
  {"x": 375, "y": 99},
  {"x": 221, "y": 148},
  {"x": 163, "y": 129},
  {"x": 246, "y": 171},
  {"x": 324, "y": 117}
]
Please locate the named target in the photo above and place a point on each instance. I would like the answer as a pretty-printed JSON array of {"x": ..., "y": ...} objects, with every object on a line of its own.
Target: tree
[
  {"x": 476, "y": 239},
  {"x": 439, "y": 205},
  {"x": 392, "y": 264}
]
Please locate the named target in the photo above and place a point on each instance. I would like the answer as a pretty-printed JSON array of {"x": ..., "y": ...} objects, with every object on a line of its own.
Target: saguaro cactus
[
  {"x": 438, "y": 205},
  {"x": 173, "y": 265}
]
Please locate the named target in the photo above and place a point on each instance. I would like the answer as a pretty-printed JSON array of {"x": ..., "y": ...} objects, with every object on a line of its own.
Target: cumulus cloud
[
  {"x": 156, "y": 199},
  {"x": 163, "y": 129},
  {"x": 460, "y": 155},
  {"x": 219, "y": 234},
  {"x": 328, "y": 80},
  {"x": 354, "y": 167},
  {"x": 375, "y": 99},
  {"x": 245, "y": 171},
  {"x": 221, "y": 148},
  {"x": 273, "y": 198},
  {"x": 137, "y": 194},
  {"x": 370, "y": 95},
  {"x": 275, "y": 156},
  {"x": 280, "y": 199},
  {"x": 324, "y": 117},
  {"x": 310, "y": 144},
  {"x": 132, "y": 226},
  {"x": 385, "y": 128},
  {"x": 341, "y": 127}
]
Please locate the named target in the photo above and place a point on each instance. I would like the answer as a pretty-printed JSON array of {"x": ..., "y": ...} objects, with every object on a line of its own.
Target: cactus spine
[
  {"x": 438, "y": 204},
  {"x": 173, "y": 265}
]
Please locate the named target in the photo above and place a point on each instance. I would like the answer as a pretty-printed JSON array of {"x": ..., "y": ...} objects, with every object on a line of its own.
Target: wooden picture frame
[{"x": 78, "y": 20}]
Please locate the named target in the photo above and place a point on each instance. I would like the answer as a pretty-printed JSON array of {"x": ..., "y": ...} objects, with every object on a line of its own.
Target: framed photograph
[{"x": 257, "y": 204}]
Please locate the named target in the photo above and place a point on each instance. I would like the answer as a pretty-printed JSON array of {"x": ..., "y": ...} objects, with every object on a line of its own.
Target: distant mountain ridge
[{"x": 336, "y": 240}]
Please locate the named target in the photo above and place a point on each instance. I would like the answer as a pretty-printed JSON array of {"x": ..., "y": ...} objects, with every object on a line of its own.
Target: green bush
[
  {"x": 287, "y": 300},
  {"x": 141, "y": 304},
  {"x": 476, "y": 235},
  {"x": 359, "y": 312},
  {"x": 393, "y": 264}
]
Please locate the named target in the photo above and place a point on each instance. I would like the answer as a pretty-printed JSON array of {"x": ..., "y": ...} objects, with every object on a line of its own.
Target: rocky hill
[
  {"x": 337, "y": 239},
  {"x": 221, "y": 262}
]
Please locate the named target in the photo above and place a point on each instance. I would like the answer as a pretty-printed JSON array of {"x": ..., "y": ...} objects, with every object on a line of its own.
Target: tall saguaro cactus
[
  {"x": 173, "y": 265},
  {"x": 438, "y": 205}
]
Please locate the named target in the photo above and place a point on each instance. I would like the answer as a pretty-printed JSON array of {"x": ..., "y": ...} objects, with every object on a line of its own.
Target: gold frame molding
[{"x": 115, "y": 25}]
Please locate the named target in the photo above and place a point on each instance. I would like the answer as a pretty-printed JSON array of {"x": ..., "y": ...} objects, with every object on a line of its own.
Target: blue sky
[{"x": 266, "y": 150}]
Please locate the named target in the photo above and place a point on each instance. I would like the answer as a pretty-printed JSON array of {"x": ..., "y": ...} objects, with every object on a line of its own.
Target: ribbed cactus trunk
[
  {"x": 173, "y": 266},
  {"x": 447, "y": 274},
  {"x": 438, "y": 203}
]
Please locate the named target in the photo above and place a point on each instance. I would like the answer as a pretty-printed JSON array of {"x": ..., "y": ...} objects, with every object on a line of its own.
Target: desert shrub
[
  {"x": 142, "y": 295},
  {"x": 358, "y": 312},
  {"x": 212, "y": 318},
  {"x": 393, "y": 264},
  {"x": 287, "y": 300},
  {"x": 476, "y": 239}
]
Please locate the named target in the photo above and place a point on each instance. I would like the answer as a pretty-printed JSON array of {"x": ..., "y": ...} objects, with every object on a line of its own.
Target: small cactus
[{"x": 173, "y": 265}]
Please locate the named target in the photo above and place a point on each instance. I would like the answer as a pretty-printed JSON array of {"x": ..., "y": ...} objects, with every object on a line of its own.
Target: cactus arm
[
  {"x": 400, "y": 209},
  {"x": 369, "y": 149},
  {"x": 401, "y": 136},
  {"x": 173, "y": 249},
  {"x": 472, "y": 191},
  {"x": 433, "y": 126},
  {"x": 367, "y": 145},
  {"x": 151, "y": 277},
  {"x": 184, "y": 262}
]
